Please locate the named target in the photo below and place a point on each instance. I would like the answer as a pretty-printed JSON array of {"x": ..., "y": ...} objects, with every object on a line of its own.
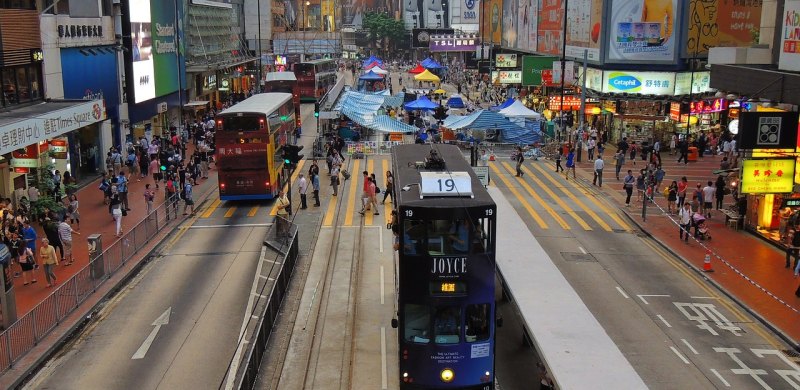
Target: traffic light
[
  {"x": 316, "y": 110},
  {"x": 291, "y": 154}
]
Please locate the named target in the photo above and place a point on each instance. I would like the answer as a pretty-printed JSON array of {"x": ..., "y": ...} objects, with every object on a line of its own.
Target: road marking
[
  {"x": 664, "y": 321},
  {"x": 352, "y": 195},
  {"x": 582, "y": 250},
  {"x": 554, "y": 198},
  {"x": 622, "y": 292},
  {"x": 368, "y": 217},
  {"x": 580, "y": 204},
  {"x": 546, "y": 205},
  {"x": 258, "y": 295},
  {"x": 230, "y": 212},
  {"x": 330, "y": 212},
  {"x": 253, "y": 212},
  {"x": 296, "y": 172},
  {"x": 531, "y": 211},
  {"x": 680, "y": 355},
  {"x": 608, "y": 211},
  {"x": 231, "y": 226},
  {"x": 162, "y": 320},
  {"x": 721, "y": 379},
  {"x": 255, "y": 317},
  {"x": 704, "y": 297},
  {"x": 210, "y": 209},
  {"x": 641, "y": 296},
  {"x": 382, "y": 287},
  {"x": 384, "y": 374},
  {"x": 691, "y": 348}
]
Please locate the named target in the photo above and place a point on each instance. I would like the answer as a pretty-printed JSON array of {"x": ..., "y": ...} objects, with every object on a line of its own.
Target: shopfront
[{"x": 771, "y": 200}]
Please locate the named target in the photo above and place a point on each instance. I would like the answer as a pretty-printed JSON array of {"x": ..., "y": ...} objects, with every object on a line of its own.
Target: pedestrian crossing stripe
[
  {"x": 230, "y": 212},
  {"x": 531, "y": 211},
  {"x": 210, "y": 210},
  {"x": 355, "y": 174},
  {"x": 539, "y": 199}
]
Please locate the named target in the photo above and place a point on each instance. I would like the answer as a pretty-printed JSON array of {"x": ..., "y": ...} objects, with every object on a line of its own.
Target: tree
[{"x": 383, "y": 32}]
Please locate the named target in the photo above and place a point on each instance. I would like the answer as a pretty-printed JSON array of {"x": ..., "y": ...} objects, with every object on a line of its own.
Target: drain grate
[{"x": 578, "y": 257}]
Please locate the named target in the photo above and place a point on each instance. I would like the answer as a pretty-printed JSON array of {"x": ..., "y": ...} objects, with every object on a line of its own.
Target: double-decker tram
[
  {"x": 446, "y": 272},
  {"x": 249, "y": 136},
  {"x": 315, "y": 78}
]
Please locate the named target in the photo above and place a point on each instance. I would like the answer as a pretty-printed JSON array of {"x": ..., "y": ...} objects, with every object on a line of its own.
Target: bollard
[
  {"x": 97, "y": 265},
  {"x": 707, "y": 262}
]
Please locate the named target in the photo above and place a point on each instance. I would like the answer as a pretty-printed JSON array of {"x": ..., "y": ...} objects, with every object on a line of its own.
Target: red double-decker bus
[
  {"x": 249, "y": 136},
  {"x": 315, "y": 78}
]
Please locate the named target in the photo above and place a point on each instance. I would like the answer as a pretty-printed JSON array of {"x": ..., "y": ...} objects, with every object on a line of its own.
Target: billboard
[
  {"x": 505, "y": 60},
  {"x": 153, "y": 50},
  {"x": 532, "y": 67},
  {"x": 507, "y": 77},
  {"x": 700, "y": 81},
  {"x": 767, "y": 130},
  {"x": 767, "y": 176},
  {"x": 583, "y": 29},
  {"x": 639, "y": 83},
  {"x": 465, "y": 15},
  {"x": 510, "y": 20},
  {"x": 721, "y": 24},
  {"x": 549, "y": 33},
  {"x": 643, "y": 31},
  {"x": 527, "y": 22},
  {"x": 421, "y": 37},
  {"x": 492, "y": 17},
  {"x": 790, "y": 37},
  {"x": 455, "y": 42}
]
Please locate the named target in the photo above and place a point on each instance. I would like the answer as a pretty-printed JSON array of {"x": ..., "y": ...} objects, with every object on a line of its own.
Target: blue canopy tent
[
  {"x": 423, "y": 103},
  {"x": 496, "y": 125},
  {"x": 372, "y": 59},
  {"x": 371, "y": 76},
  {"x": 433, "y": 65},
  {"x": 455, "y": 101},
  {"x": 503, "y": 105}
]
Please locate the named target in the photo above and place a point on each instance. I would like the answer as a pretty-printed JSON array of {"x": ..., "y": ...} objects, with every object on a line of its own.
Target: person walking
[
  {"x": 619, "y": 160},
  {"x": 365, "y": 199},
  {"x": 599, "y": 164},
  {"x": 155, "y": 170},
  {"x": 48, "y": 259},
  {"x": 335, "y": 179},
  {"x": 720, "y": 193},
  {"x": 72, "y": 210},
  {"x": 685, "y": 220},
  {"x": 188, "y": 201},
  {"x": 315, "y": 186},
  {"x": 683, "y": 185},
  {"x": 632, "y": 149},
  {"x": 683, "y": 149},
  {"x": 149, "y": 197},
  {"x": 389, "y": 191},
  {"x": 672, "y": 197},
  {"x": 559, "y": 168},
  {"x": 29, "y": 235},
  {"x": 50, "y": 228},
  {"x": 282, "y": 220},
  {"x": 65, "y": 235},
  {"x": 570, "y": 165},
  {"x": 640, "y": 185},
  {"x": 302, "y": 188},
  {"x": 520, "y": 160},
  {"x": 370, "y": 197},
  {"x": 590, "y": 145},
  {"x": 116, "y": 210},
  {"x": 122, "y": 188},
  {"x": 27, "y": 263},
  {"x": 628, "y": 183},
  {"x": 709, "y": 193}
]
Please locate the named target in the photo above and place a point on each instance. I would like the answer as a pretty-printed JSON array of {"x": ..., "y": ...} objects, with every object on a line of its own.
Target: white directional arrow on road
[{"x": 163, "y": 319}]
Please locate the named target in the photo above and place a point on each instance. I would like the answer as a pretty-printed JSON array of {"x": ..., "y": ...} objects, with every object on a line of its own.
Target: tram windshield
[
  {"x": 417, "y": 323},
  {"x": 477, "y": 317},
  {"x": 447, "y": 325}
]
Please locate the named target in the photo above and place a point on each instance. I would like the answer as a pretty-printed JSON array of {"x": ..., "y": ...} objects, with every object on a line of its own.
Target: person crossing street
[{"x": 599, "y": 164}]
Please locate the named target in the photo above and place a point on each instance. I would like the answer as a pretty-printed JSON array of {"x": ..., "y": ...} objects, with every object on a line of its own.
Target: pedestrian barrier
[
  {"x": 371, "y": 147},
  {"x": 32, "y": 327}
]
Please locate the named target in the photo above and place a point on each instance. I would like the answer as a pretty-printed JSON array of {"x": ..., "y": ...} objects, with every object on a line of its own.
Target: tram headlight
[{"x": 447, "y": 375}]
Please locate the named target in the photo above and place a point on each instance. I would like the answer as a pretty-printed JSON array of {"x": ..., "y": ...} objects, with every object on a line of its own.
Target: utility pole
[
  {"x": 260, "y": 64},
  {"x": 563, "y": 70}
]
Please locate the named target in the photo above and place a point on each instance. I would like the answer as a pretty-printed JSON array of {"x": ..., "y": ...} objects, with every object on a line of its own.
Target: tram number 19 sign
[{"x": 445, "y": 184}]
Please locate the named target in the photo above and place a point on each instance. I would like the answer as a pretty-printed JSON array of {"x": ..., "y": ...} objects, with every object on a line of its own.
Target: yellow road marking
[
  {"x": 369, "y": 216},
  {"x": 603, "y": 207},
  {"x": 516, "y": 193},
  {"x": 297, "y": 171},
  {"x": 712, "y": 292},
  {"x": 210, "y": 209},
  {"x": 355, "y": 179},
  {"x": 253, "y": 212},
  {"x": 580, "y": 204},
  {"x": 328, "y": 221},
  {"x": 230, "y": 212},
  {"x": 544, "y": 204}
]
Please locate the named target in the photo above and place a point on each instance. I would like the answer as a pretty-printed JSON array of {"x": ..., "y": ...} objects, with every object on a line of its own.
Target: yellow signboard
[{"x": 767, "y": 176}]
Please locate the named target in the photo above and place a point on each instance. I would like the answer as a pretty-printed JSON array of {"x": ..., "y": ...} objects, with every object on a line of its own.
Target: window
[
  {"x": 9, "y": 88},
  {"x": 447, "y": 325},
  {"x": 417, "y": 322},
  {"x": 18, "y": 4},
  {"x": 413, "y": 237},
  {"x": 20, "y": 85},
  {"x": 477, "y": 317},
  {"x": 241, "y": 123}
]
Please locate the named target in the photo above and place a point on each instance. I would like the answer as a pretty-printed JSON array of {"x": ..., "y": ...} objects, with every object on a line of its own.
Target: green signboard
[{"x": 532, "y": 67}]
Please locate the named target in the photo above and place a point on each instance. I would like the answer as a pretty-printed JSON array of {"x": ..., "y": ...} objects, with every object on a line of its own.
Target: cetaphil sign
[{"x": 639, "y": 83}]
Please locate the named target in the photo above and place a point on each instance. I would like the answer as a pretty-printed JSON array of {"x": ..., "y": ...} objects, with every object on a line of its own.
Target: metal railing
[{"x": 24, "y": 334}]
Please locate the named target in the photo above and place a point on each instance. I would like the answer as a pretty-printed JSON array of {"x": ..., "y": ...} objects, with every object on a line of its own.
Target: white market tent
[
  {"x": 518, "y": 110},
  {"x": 379, "y": 70}
]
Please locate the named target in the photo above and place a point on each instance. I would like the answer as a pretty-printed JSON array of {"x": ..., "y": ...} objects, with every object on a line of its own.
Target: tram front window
[
  {"x": 447, "y": 325},
  {"x": 417, "y": 323},
  {"x": 477, "y": 317}
]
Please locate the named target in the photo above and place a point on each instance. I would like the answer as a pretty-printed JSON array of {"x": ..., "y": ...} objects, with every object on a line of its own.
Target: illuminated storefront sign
[
  {"x": 640, "y": 83},
  {"x": 571, "y": 103},
  {"x": 768, "y": 176},
  {"x": 707, "y": 106}
]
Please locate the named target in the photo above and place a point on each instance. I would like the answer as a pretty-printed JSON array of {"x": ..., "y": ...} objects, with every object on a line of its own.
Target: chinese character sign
[{"x": 767, "y": 176}]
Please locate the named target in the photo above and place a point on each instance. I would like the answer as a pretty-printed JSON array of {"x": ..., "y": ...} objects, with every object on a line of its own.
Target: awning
[{"x": 196, "y": 103}]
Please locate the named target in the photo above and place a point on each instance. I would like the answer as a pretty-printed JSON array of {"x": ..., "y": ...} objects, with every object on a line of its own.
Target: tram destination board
[{"x": 445, "y": 184}]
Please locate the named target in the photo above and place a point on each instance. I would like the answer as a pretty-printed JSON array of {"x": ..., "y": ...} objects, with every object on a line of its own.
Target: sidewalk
[
  {"x": 95, "y": 219},
  {"x": 746, "y": 267}
]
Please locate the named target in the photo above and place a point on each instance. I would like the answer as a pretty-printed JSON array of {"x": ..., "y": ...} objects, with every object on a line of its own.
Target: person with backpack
[
  {"x": 116, "y": 160},
  {"x": 131, "y": 161},
  {"x": 187, "y": 198}
]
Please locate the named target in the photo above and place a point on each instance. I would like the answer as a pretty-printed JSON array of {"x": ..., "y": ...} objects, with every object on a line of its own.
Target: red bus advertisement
[
  {"x": 249, "y": 136},
  {"x": 315, "y": 78}
]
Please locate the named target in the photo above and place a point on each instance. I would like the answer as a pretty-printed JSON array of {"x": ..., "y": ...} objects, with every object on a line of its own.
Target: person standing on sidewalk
[
  {"x": 282, "y": 220},
  {"x": 315, "y": 186},
  {"x": 720, "y": 194},
  {"x": 48, "y": 259},
  {"x": 709, "y": 193},
  {"x": 365, "y": 199},
  {"x": 302, "y": 188},
  {"x": 122, "y": 188},
  {"x": 72, "y": 210},
  {"x": 149, "y": 197},
  {"x": 685, "y": 220},
  {"x": 599, "y": 164},
  {"x": 335, "y": 179},
  {"x": 683, "y": 186},
  {"x": 672, "y": 196},
  {"x": 628, "y": 186},
  {"x": 187, "y": 198},
  {"x": 65, "y": 235},
  {"x": 590, "y": 145}
]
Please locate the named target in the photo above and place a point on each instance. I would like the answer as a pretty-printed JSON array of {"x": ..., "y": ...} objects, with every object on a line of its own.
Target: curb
[{"x": 89, "y": 315}]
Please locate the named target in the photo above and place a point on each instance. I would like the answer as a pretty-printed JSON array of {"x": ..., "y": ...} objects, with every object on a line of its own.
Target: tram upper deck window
[
  {"x": 417, "y": 323},
  {"x": 437, "y": 237},
  {"x": 447, "y": 325},
  {"x": 477, "y": 327}
]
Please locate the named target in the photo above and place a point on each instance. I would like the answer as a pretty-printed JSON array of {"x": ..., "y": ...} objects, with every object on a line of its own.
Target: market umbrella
[
  {"x": 418, "y": 69},
  {"x": 518, "y": 110},
  {"x": 423, "y": 103},
  {"x": 455, "y": 101},
  {"x": 440, "y": 91},
  {"x": 379, "y": 70},
  {"x": 426, "y": 76}
]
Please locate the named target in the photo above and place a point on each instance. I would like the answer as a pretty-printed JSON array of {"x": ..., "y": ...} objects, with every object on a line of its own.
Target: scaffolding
[{"x": 211, "y": 43}]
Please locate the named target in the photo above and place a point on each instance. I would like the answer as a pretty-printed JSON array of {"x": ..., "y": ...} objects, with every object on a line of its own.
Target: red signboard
[
  {"x": 570, "y": 103},
  {"x": 32, "y": 151},
  {"x": 708, "y": 106},
  {"x": 59, "y": 147},
  {"x": 675, "y": 111},
  {"x": 22, "y": 170}
]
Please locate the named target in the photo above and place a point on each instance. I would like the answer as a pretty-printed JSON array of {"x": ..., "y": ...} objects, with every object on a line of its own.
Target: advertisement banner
[
  {"x": 464, "y": 13},
  {"x": 492, "y": 17},
  {"x": 527, "y": 24},
  {"x": 639, "y": 83},
  {"x": 421, "y": 37},
  {"x": 505, "y": 60},
  {"x": 507, "y": 77},
  {"x": 721, "y": 24},
  {"x": 790, "y": 37},
  {"x": 767, "y": 130},
  {"x": 532, "y": 67},
  {"x": 643, "y": 31},
  {"x": 455, "y": 42},
  {"x": 768, "y": 176},
  {"x": 594, "y": 78},
  {"x": 551, "y": 20},
  {"x": 700, "y": 81},
  {"x": 583, "y": 30},
  {"x": 510, "y": 20},
  {"x": 154, "y": 52}
]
